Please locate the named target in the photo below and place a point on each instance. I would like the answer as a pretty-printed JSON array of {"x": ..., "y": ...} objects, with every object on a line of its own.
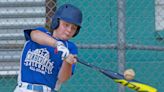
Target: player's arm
[
  {"x": 42, "y": 38},
  {"x": 66, "y": 71}
]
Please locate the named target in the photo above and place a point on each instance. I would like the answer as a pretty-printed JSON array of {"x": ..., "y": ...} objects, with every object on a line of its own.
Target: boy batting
[{"x": 48, "y": 59}]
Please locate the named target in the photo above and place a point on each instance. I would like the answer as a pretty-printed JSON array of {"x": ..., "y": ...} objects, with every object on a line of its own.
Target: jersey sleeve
[
  {"x": 28, "y": 31},
  {"x": 73, "y": 48}
]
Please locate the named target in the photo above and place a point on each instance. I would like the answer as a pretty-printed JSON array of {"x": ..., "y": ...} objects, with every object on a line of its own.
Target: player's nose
[{"x": 69, "y": 29}]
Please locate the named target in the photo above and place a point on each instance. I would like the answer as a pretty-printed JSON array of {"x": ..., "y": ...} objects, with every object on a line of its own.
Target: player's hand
[
  {"x": 71, "y": 59},
  {"x": 61, "y": 47}
]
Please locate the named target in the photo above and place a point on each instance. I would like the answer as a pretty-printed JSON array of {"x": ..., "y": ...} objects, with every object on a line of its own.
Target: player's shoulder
[
  {"x": 72, "y": 47},
  {"x": 70, "y": 43},
  {"x": 43, "y": 29}
]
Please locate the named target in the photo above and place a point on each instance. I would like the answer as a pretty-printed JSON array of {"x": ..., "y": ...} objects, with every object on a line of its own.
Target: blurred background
[{"x": 115, "y": 34}]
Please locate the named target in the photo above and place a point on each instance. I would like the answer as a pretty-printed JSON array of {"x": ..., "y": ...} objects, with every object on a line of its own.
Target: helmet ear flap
[{"x": 54, "y": 23}]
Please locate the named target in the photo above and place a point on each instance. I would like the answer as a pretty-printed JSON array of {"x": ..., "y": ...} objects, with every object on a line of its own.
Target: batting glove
[{"x": 60, "y": 47}]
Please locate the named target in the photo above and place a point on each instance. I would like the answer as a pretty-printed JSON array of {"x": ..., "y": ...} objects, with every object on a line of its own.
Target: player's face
[{"x": 65, "y": 30}]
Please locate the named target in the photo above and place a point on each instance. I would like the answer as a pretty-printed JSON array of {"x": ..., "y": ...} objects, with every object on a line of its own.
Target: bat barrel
[{"x": 118, "y": 78}]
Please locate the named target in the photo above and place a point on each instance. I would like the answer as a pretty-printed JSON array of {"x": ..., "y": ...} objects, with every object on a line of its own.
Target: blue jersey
[{"x": 39, "y": 63}]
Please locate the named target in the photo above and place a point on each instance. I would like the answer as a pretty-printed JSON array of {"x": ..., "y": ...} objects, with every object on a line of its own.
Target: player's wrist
[
  {"x": 68, "y": 62},
  {"x": 58, "y": 43}
]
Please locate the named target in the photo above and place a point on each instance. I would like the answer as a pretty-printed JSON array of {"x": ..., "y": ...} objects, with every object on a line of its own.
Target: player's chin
[{"x": 67, "y": 37}]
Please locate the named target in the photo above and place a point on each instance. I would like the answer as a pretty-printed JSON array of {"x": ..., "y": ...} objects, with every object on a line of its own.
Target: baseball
[{"x": 129, "y": 74}]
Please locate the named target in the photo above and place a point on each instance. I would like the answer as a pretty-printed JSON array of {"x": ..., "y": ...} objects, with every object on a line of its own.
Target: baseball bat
[{"x": 119, "y": 78}]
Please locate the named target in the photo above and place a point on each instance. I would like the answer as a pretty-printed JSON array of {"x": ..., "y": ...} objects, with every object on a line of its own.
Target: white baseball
[{"x": 129, "y": 74}]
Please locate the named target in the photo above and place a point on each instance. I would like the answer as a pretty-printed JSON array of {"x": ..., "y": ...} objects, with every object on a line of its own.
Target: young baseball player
[{"x": 48, "y": 59}]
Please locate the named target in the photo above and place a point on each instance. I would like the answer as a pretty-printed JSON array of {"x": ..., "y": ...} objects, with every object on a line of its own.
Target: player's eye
[
  {"x": 65, "y": 24},
  {"x": 69, "y": 25},
  {"x": 74, "y": 27}
]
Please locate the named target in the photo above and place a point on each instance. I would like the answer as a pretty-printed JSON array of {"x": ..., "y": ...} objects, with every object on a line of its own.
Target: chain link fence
[{"x": 115, "y": 34}]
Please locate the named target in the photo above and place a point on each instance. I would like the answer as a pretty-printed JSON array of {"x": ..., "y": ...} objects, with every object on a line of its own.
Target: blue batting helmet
[{"x": 68, "y": 13}]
